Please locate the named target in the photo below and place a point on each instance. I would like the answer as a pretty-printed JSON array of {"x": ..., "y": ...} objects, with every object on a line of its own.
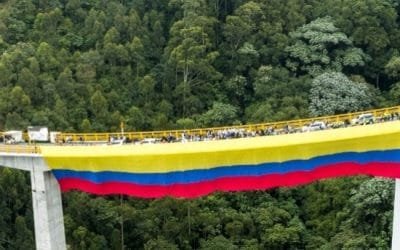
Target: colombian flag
[{"x": 189, "y": 170}]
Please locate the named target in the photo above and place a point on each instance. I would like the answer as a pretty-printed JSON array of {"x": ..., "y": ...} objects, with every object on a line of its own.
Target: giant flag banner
[{"x": 194, "y": 169}]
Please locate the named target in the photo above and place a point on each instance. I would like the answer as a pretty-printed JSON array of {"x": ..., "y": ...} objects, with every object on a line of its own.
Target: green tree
[
  {"x": 29, "y": 82},
  {"x": 24, "y": 236},
  {"x": 218, "y": 242},
  {"x": 219, "y": 115},
  {"x": 16, "y": 108},
  {"x": 65, "y": 85},
  {"x": 60, "y": 115},
  {"x": 146, "y": 89},
  {"x": 320, "y": 46},
  {"x": 136, "y": 51},
  {"x": 94, "y": 27},
  {"x": 392, "y": 68},
  {"x": 46, "y": 26},
  {"x": 85, "y": 125},
  {"x": 46, "y": 58},
  {"x": 16, "y": 220},
  {"x": 135, "y": 119},
  {"x": 239, "y": 32},
  {"x": 372, "y": 203},
  {"x": 186, "y": 123},
  {"x": 190, "y": 52},
  {"x": 371, "y": 25},
  {"x": 333, "y": 93},
  {"x": 84, "y": 239},
  {"x": 278, "y": 96},
  {"x": 159, "y": 243},
  {"x": 99, "y": 108}
]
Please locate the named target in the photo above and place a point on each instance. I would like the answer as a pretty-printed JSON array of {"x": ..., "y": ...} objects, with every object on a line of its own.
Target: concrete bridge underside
[{"x": 46, "y": 199}]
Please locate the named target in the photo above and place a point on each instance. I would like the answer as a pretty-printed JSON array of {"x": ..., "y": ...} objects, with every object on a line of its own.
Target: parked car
[
  {"x": 149, "y": 141},
  {"x": 363, "y": 119},
  {"x": 317, "y": 125}
]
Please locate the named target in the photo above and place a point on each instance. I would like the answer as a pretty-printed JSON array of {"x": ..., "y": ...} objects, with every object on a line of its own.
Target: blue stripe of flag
[{"x": 199, "y": 175}]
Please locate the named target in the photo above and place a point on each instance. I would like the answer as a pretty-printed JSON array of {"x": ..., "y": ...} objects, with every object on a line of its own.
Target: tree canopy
[{"x": 90, "y": 65}]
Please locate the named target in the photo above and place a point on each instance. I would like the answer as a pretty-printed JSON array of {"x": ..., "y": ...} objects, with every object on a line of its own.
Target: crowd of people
[
  {"x": 228, "y": 133},
  {"x": 232, "y": 133}
]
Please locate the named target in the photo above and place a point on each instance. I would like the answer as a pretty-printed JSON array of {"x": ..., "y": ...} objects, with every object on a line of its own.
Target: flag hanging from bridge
[{"x": 194, "y": 169}]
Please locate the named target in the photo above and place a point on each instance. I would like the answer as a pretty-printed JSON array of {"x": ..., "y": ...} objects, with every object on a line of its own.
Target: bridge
[
  {"x": 334, "y": 121},
  {"x": 46, "y": 194},
  {"x": 262, "y": 156}
]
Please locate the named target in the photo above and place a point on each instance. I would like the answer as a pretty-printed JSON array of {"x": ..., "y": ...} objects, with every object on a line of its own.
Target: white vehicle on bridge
[
  {"x": 317, "y": 125},
  {"x": 13, "y": 137},
  {"x": 38, "y": 134},
  {"x": 363, "y": 119}
]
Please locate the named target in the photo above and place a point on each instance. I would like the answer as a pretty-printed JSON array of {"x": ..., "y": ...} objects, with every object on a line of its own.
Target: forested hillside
[{"x": 88, "y": 65}]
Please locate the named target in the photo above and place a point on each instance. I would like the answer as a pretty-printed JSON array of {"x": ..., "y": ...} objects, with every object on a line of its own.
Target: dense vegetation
[
  {"x": 334, "y": 214},
  {"x": 87, "y": 65}
]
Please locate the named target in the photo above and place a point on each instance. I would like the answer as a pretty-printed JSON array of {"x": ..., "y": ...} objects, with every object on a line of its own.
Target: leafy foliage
[
  {"x": 334, "y": 93},
  {"x": 320, "y": 46},
  {"x": 89, "y": 65}
]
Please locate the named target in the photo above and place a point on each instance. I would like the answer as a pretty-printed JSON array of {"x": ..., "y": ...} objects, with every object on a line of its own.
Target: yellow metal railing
[
  {"x": 294, "y": 124},
  {"x": 20, "y": 149},
  {"x": 334, "y": 119}
]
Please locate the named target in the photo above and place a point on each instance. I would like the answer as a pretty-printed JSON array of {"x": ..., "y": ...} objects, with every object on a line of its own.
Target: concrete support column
[
  {"x": 396, "y": 217},
  {"x": 47, "y": 211}
]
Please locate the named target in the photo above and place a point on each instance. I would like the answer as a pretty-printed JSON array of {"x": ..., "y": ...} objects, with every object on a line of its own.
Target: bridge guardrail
[
  {"x": 105, "y": 137},
  {"x": 334, "y": 119},
  {"x": 20, "y": 149}
]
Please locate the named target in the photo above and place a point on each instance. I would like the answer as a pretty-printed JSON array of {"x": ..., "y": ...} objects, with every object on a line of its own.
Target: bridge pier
[
  {"x": 46, "y": 200},
  {"x": 47, "y": 211},
  {"x": 396, "y": 217}
]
